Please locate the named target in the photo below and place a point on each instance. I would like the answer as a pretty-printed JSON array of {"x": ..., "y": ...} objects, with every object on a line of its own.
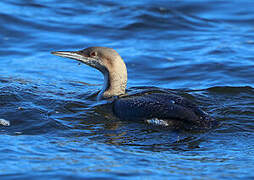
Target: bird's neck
[{"x": 114, "y": 83}]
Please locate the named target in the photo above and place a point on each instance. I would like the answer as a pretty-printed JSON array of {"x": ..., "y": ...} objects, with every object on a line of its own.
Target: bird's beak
[
  {"x": 77, "y": 55},
  {"x": 71, "y": 54}
]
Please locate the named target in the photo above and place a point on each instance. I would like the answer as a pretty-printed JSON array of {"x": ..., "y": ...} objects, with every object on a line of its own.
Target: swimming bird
[{"x": 164, "y": 109}]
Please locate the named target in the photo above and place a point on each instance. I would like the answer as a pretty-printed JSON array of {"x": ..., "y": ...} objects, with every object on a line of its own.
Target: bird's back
[{"x": 167, "y": 109}]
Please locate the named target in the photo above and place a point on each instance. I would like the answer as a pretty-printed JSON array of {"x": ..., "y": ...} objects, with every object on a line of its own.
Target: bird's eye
[{"x": 93, "y": 54}]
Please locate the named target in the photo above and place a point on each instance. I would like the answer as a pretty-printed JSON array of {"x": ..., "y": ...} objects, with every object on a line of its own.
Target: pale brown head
[{"x": 107, "y": 61}]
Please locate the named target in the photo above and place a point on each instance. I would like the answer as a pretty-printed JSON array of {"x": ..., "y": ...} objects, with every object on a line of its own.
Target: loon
[{"x": 164, "y": 109}]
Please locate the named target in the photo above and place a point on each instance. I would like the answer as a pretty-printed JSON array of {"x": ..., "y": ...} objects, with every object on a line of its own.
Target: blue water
[{"x": 203, "y": 50}]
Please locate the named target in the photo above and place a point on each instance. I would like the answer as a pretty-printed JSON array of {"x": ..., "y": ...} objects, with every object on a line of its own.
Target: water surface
[{"x": 200, "y": 49}]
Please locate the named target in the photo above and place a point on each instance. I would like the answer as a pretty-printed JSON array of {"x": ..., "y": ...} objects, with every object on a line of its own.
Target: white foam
[
  {"x": 158, "y": 122},
  {"x": 5, "y": 122}
]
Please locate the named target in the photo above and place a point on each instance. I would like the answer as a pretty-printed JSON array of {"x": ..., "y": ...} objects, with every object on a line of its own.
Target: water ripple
[{"x": 200, "y": 50}]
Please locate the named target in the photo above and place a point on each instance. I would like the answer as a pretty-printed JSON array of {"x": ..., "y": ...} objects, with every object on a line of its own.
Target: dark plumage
[{"x": 163, "y": 109}]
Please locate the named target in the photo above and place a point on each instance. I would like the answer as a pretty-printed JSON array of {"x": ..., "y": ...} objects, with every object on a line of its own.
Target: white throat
[{"x": 105, "y": 86}]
